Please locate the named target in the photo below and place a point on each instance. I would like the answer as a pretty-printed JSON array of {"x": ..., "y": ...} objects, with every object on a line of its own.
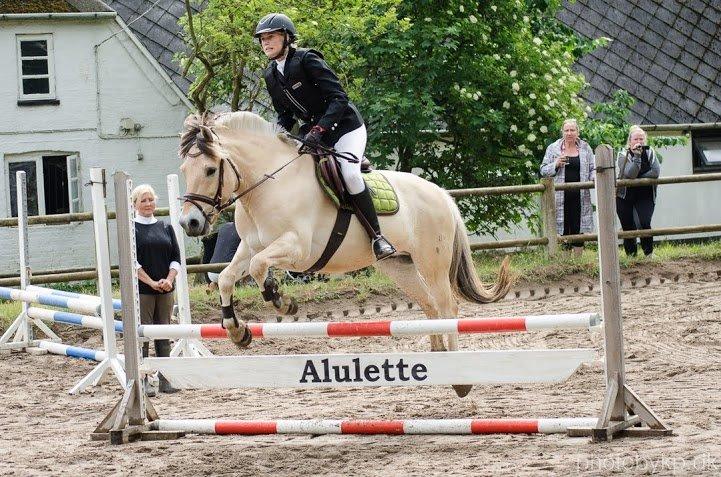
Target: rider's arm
[{"x": 319, "y": 72}]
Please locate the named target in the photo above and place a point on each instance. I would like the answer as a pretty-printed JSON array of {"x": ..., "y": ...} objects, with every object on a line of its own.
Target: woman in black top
[
  {"x": 637, "y": 161},
  {"x": 570, "y": 159},
  {"x": 301, "y": 85},
  {"x": 158, "y": 264}
]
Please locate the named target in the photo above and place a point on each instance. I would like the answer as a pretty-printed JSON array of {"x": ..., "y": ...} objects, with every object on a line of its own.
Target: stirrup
[{"x": 382, "y": 248}]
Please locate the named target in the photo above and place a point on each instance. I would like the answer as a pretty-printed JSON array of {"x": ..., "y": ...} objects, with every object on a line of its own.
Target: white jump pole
[
  {"x": 374, "y": 427},
  {"x": 349, "y": 329},
  {"x": 19, "y": 334},
  {"x": 186, "y": 346},
  {"x": 107, "y": 311}
]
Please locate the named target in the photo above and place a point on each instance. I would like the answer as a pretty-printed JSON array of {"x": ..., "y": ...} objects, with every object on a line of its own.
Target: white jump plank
[{"x": 371, "y": 369}]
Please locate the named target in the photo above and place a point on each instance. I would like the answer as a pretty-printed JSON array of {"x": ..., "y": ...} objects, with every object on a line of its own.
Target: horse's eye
[{"x": 210, "y": 171}]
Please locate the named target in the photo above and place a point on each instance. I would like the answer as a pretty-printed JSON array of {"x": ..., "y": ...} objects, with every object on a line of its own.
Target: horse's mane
[{"x": 198, "y": 130}]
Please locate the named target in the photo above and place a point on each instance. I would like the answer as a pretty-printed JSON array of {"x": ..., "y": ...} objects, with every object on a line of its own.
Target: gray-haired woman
[{"x": 571, "y": 159}]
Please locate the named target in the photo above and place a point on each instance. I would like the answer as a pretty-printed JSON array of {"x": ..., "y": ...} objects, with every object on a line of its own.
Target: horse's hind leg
[
  {"x": 404, "y": 273},
  {"x": 435, "y": 275}
]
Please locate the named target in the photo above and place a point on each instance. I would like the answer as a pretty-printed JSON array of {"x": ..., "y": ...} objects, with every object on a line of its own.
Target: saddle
[
  {"x": 385, "y": 200},
  {"x": 327, "y": 171}
]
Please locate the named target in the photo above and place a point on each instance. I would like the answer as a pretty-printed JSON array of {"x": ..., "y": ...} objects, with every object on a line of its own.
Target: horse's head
[
  {"x": 220, "y": 154},
  {"x": 210, "y": 177}
]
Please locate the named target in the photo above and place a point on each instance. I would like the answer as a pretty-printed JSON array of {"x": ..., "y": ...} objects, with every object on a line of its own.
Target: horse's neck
[{"x": 296, "y": 174}]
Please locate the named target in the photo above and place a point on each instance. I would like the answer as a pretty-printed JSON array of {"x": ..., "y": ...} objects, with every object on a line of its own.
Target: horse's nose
[{"x": 189, "y": 224}]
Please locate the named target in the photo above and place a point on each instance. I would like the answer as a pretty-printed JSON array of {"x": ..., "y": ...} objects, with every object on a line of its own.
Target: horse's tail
[{"x": 464, "y": 280}]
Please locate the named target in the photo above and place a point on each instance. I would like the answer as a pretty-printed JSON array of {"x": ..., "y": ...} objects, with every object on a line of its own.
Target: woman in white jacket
[{"x": 571, "y": 159}]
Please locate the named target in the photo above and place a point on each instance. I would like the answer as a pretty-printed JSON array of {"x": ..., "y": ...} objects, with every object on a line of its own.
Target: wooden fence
[{"x": 549, "y": 239}]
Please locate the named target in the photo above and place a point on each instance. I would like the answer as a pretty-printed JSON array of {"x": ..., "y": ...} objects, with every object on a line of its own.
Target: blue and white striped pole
[
  {"x": 72, "y": 351},
  {"x": 68, "y": 318},
  {"x": 73, "y": 304},
  {"x": 51, "y": 291}
]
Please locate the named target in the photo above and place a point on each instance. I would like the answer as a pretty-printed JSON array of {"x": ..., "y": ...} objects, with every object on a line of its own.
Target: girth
[{"x": 329, "y": 169}]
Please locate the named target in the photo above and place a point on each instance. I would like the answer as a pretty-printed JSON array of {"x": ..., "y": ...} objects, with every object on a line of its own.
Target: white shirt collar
[
  {"x": 145, "y": 220},
  {"x": 280, "y": 64}
]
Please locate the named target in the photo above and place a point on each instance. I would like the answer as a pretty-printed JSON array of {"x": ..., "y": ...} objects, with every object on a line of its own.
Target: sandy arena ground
[{"x": 673, "y": 361}]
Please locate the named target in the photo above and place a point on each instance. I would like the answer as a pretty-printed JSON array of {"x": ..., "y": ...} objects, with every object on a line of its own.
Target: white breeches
[{"x": 353, "y": 142}]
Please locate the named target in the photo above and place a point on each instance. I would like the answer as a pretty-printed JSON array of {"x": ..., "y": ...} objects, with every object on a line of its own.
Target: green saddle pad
[{"x": 384, "y": 196}]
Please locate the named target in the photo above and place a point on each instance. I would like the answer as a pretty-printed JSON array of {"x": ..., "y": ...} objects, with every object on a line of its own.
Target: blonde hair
[
  {"x": 570, "y": 121},
  {"x": 634, "y": 129},
  {"x": 141, "y": 190}
]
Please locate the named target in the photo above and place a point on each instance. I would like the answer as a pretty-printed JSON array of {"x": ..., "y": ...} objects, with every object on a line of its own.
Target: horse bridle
[{"x": 216, "y": 201}]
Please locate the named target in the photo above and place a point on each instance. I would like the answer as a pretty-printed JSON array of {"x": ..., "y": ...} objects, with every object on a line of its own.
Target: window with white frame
[
  {"x": 706, "y": 147},
  {"x": 53, "y": 184},
  {"x": 36, "y": 78}
]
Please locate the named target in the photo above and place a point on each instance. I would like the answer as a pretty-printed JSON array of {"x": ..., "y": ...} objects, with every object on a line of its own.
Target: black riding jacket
[{"x": 310, "y": 91}]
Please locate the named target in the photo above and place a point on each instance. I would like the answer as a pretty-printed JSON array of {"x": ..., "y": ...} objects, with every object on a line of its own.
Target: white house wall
[
  {"x": 129, "y": 86},
  {"x": 685, "y": 204}
]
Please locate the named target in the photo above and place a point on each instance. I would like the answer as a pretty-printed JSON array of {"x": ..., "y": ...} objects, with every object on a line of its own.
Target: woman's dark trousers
[{"x": 643, "y": 204}]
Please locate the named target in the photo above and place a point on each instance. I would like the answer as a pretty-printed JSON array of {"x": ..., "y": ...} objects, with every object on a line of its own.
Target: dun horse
[{"x": 285, "y": 222}]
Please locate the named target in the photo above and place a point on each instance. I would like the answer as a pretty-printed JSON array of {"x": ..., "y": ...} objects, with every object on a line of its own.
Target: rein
[{"x": 216, "y": 201}]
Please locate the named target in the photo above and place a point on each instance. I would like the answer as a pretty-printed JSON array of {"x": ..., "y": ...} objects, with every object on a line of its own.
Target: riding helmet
[{"x": 275, "y": 22}]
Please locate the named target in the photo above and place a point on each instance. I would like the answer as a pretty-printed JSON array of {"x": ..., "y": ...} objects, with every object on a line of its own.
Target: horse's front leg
[
  {"x": 283, "y": 253},
  {"x": 237, "y": 330}
]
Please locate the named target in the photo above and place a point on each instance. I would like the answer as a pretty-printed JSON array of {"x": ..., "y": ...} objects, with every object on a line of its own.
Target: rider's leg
[{"x": 354, "y": 142}]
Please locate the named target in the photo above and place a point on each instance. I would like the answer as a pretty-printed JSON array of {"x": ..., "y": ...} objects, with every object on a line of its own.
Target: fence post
[{"x": 548, "y": 210}]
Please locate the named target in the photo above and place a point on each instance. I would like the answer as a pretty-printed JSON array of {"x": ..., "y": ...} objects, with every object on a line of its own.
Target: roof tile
[
  {"x": 707, "y": 71},
  {"x": 665, "y": 16},
  {"x": 677, "y": 53}
]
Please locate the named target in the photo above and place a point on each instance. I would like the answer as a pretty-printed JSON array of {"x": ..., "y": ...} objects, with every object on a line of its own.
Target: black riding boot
[
  {"x": 363, "y": 202},
  {"x": 162, "y": 350}
]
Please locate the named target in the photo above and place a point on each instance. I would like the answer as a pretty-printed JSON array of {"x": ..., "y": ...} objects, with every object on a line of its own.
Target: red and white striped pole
[
  {"x": 381, "y": 328},
  {"x": 367, "y": 427}
]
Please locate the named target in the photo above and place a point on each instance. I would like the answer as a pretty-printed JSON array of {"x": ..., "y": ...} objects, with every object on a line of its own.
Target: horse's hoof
[
  {"x": 285, "y": 305},
  {"x": 292, "y": 307},
  {"x": 462, "y": 390},
  {"x": 240, "y": 336}
]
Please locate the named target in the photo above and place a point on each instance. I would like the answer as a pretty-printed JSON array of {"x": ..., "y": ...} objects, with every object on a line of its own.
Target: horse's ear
[{"x": 207, "y": 134}]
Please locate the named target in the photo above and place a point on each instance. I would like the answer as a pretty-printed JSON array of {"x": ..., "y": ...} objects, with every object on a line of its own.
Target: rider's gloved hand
[{"x": 314, "y": 136}]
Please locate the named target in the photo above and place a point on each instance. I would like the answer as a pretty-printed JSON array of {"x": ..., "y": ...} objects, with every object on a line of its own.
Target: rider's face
[{"x": 272, "y": 43}]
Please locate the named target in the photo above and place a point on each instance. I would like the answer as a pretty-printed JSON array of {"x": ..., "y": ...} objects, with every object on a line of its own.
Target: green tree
[
  {"x": 468, "y": 95},
  {"x": 226, "y": 60}
]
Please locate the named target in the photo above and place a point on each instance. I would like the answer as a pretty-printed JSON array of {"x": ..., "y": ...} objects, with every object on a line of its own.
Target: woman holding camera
[
  {"x": 637, "y": 161},
  {"x": 570, "y": 159}
]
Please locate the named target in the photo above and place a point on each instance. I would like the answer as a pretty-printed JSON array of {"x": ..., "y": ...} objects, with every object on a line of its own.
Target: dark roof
[
  {"x": 665, "y": 53},
  {"x": 157, "y": 30},
  {"x": 52, "y": 6}
]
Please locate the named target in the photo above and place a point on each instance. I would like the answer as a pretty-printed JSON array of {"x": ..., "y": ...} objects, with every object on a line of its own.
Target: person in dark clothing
[
  {"x": 637, "y": 161},
  {"x": 225, "y": 246},
  {"x": 158, "y": 264},
  {"x": 301, "y": 85},
  {"x": 571, "y": 159}
]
